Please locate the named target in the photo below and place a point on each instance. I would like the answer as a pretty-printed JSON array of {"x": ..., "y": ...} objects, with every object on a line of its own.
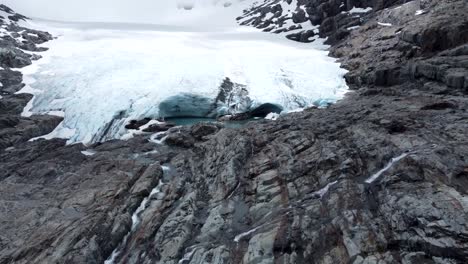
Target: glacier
[{"x": 99, "y": 76}]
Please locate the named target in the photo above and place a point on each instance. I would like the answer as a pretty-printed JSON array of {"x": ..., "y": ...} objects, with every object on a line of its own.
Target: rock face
[
  {"x": 379, "y": 177},
  {"x": 70, "y": 207},
  {"x": 14, "y": 128}
]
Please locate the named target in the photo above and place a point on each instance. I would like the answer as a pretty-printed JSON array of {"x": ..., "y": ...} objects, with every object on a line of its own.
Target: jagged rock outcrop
[
  {"x": 62, "y": 204},
  {"x": 379, "y": 177},
  {"x": 321, "y": 186},
  {"x": 13, "y": 127}
]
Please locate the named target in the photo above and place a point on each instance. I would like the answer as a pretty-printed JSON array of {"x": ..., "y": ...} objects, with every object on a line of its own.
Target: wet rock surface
[{"x": 379, "y": 177}]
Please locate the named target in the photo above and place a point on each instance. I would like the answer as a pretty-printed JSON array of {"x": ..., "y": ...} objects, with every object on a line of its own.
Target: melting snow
[
  {"x": 272, "y": 116},
  {"x": 374, "y": 177},
  {"x": 325, "y": 189},
  {"x": 135, "y": 223},
  {"x": 353, "y": 28},
  {"x": 132, "y": 132},
  {"x": 358, "y": 10},
  {"x": 188, "y": 256},
  {"x": 384, "y": 24},
  {"x": 242, "y": 235},
  {"x": 155, "y": 136},
  {"x": 419, "y": 12},
  {"x": 88, "y": 152}
]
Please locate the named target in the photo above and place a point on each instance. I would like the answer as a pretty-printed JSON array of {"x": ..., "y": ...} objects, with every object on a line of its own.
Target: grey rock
[
  {"x": 204, "y": 129},
  {"x": 160, "y": 127},
  {"x": 295, "y": 190},
  {"x": 14, "y": 58}
]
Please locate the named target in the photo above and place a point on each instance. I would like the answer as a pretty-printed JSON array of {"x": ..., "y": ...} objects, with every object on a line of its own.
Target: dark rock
[
  {"x": 203, "y": 129},
  {"x": 14, "y": 104},
  {"x": 235, "y": 117},
  {"x": 440, "y": 106},
  {"x": 179, "y": 136},
  {"x": 456, "y": 78},
  {"x": 299, "y": 16},
  {"x": 396, "y": 127},
  {"x": 7, "y": 121},
  {"x": 292, "y": 191},
  {"x": 136, "y": 124},
  {"x": 179, "y": 140},
  {"x": 26, "y": 128},
  {"x": 304, "y": 36},
  {"x": 159, "y": 127},
  {"x": 14, "y": 58},
  {"x": 387, "y": 77},
  {"x": 82, "y": 204},
  {"x": 264, "y": 109}
]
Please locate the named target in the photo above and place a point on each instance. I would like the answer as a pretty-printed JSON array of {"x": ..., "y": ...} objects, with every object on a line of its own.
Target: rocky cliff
[{"x": 379, "y": 177}]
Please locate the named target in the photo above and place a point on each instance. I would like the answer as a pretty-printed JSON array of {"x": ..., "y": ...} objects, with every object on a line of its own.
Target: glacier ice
[{"x": 99, "y": 76}]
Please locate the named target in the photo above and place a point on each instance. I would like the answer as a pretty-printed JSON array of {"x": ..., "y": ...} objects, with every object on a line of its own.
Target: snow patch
[
  {"x": 375, "y": 176},
  {"x": 320, "y": 193},
  {"x": 188, "y": 256},
  {"x": 88, "y": 152},
  {"x": 242, "y": 235},
  {"x": 135, "y": 222},
  {"x": 272, "y": 116},
  {"x": 154, "y": 138},
  {"x": 358, "y": 10},
  {"x": 419, "y": 12},
  {"x": 384, "y": 24},
  {"x": 61, "y": 131},
  {"x": 133, "y": 132},
  {"x": 353, "y": 28}
]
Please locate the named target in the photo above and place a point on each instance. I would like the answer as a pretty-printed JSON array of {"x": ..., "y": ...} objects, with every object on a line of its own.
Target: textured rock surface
[
  {"x": 59, "y": 205},
  {"x": 305, "y": 20},
  {"x": 15, "y": 39},
  {"x": 379, "y": 177}
]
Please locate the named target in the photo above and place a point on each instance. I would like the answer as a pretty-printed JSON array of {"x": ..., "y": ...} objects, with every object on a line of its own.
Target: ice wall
[{"x": 101, "y": 77}]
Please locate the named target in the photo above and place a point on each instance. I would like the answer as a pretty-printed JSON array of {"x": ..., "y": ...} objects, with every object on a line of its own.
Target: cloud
[{"x": 170, "y": 12}]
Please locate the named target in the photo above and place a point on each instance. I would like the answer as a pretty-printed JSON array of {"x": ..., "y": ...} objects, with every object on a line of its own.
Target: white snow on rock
[
  {"x": 353, "y": 28},
  {"x": 6, "y": 18},
  {"x": 325, "y": 189},
  {"x": 272, "y": 116},
  {"x": 419, "y": 12},
  {"x": 358, "y": 10},
  {"x": 132, "y": 132},
  {"x": 375, "y": 176},
  {"x": 242, "y": 235},
  {"x": 188, "y": 255},
  {"x": 88, "y": 152},
  {"x": 161, "y": 135},
  {"x": 136, "y": 220},
  {"x": 384, "y": 24},
  {"x": 285, "y": 14}
]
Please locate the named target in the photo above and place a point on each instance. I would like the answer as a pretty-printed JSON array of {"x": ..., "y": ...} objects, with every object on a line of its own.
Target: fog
[{"x": 133, "y": 11}]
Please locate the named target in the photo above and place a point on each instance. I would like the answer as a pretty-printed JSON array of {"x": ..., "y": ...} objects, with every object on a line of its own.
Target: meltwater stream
[{"x": 99, "y": 76}]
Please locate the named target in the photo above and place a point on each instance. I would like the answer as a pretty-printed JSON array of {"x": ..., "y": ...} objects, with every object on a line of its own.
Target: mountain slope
[{"x": 379, "y": 177}]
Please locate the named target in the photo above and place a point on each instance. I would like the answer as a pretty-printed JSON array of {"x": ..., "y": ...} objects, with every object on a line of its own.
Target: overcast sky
[
  {"x": 94, "y": 10},
  {"x": 206, "y": 12}
]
